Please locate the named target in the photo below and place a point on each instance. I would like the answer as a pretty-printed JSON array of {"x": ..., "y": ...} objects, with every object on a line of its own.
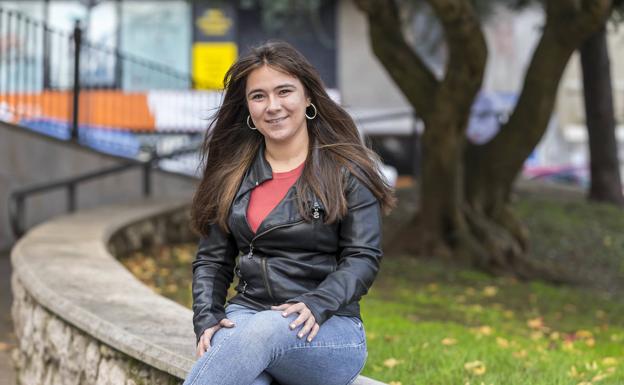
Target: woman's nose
[{"x": 274, "y": 103}]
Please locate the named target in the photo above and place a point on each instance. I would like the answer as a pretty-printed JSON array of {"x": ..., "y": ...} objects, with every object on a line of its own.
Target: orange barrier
[{"x": 111, "y": 109}]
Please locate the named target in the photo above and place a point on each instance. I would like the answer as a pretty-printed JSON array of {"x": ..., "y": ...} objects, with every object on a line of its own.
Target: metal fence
[{"x": 57, "y": 83}]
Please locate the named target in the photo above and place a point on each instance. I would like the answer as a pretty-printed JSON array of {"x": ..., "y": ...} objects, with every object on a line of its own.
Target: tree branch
[
  {"x": 566, "y": 29},
  {"x": 467, "y": 54},
  {"x": 406, "y": 68}
]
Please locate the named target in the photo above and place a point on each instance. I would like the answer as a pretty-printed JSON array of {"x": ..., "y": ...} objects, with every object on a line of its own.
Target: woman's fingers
[
  {"x": 314, "y": 331},
  {"x": 227, "y": 323},
  {"x": 303, "y": 317},
  {"x": 204, "y": 340},
  {"x": 293, "y": 308},
  {"x": 307, "y": 327},
  {"x": 283, "y": 306}
]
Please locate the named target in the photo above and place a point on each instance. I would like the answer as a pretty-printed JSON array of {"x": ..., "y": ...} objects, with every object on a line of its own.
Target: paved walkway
[{"x": 7, "y": 338}]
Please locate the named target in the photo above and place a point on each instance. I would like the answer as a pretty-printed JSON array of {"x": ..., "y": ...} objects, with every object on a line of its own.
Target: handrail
[{"x": 18, "y": 196}]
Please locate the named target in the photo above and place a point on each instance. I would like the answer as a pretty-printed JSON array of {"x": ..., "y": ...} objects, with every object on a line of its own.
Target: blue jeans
[{"x": 262, "y": 348}]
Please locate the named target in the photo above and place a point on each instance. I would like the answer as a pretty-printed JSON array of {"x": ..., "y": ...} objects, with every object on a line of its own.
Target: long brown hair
[{"x": 230, "y": 146}]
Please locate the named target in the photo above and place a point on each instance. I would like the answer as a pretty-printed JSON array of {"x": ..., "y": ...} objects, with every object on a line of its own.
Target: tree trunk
[
  {"x": 465, "y": 190},
  {"x": 604, "y": 164}
]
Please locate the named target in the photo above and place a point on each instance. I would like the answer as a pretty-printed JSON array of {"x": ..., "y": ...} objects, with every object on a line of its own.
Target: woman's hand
[
  {"x": 305, "y": 317},
  {"x": 204, "y": 341}
]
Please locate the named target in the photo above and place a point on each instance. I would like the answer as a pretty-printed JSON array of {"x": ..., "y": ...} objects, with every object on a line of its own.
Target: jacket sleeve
[
  {"x": 358, "y": 259},
  {"x": 213, "y": 272}
]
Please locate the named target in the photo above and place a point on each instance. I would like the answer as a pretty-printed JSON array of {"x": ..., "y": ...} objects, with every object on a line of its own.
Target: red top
[{"x": 268, "y": 194}]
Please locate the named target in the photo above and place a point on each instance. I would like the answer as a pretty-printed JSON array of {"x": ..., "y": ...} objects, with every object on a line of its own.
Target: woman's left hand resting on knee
[{"x": 305, "y": 317}]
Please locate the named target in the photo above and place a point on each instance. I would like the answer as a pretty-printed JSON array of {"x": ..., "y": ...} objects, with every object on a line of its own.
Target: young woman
[{"x": 289, "y": 184}]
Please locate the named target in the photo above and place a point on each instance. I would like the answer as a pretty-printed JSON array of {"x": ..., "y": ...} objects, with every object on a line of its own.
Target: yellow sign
[
  {"x": 214, "y": 22},
  {"x": 210, "y": 63}
]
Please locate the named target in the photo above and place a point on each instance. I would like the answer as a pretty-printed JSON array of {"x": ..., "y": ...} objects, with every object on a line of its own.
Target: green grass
[
  {"x": 433, "y": 324},
  {"x": 430, "y": 320}
]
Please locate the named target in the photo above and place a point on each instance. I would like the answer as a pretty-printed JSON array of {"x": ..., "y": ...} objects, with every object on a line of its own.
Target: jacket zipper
[
  {"x": 250, "y": 254},
  {"x": 265, "y": 275},
  {"x": 263, "y": 259}
]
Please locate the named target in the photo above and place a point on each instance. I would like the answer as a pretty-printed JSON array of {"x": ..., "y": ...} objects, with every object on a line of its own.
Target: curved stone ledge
[{"x": 82, "y": 318}]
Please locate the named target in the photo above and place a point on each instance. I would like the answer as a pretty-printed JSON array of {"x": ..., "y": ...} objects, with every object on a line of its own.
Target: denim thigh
[{"x": 334, "y": 357}]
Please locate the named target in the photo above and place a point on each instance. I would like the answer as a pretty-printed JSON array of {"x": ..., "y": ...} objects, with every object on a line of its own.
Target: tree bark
[{"x": 605, "y": 185}]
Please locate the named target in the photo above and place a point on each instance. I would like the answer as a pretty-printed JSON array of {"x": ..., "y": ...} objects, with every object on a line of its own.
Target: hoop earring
[
  {"x": 315, "y": 112},
  {"x": 248, "y": 124}
]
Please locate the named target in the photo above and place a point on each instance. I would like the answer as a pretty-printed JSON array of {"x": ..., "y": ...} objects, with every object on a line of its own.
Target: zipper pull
[
  {"x": 244, "y": 286},
  {"x": 250, "y": 255},
  {"x": 316, "y": 214}
]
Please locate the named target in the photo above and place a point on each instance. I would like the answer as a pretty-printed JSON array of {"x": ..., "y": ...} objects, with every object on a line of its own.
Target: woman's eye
[
  {"x": 256, "y": 97},
  {"x": 284, "y": 92}
]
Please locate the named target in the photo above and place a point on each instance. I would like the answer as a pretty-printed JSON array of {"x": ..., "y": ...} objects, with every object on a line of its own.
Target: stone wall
[{"x": 52, "y": 352}]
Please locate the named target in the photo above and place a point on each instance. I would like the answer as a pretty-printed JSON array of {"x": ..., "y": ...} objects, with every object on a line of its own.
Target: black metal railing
[{"x": 18, "y": 197}]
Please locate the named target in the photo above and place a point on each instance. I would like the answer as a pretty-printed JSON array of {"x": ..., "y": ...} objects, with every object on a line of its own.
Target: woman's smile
[{"x": 276, "y": 120}]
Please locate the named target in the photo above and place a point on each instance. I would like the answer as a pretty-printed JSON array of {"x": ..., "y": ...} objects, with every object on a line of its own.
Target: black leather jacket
[{"x": 329, "y": 267}]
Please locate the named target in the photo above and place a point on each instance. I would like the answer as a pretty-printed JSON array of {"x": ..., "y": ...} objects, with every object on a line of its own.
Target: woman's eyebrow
[{"x": 285, "y": 85}]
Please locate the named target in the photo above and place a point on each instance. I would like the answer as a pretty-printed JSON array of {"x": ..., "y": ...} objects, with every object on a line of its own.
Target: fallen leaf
[
  {"x": 503, "y": 343},
  {"x": 536, "y": 323},
  {"x": 583, "y": 334},
  {"x": 449, "y": 341},
  {"x": 475, "y": 367},
  {"x": 599, "y": 377},
  {"x": 609, "y": 361},
  {"x": 568, "y": 345},
  {"x": 490, "y": 291},
  {"x": 392, "y": 362},
  {"x": 591, "y": 365},
  {"x": 395, "y": 383}
]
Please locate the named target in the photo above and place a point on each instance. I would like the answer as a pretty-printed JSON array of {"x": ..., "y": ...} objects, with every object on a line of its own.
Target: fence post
[
  {"x": 77, "y": 38},
  {"x": 71, "y": 197},
  {"x": 147, "y": 178}
]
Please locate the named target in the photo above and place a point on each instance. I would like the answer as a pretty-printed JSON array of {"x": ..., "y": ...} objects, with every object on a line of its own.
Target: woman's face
[{"x": 277, "y": 104}]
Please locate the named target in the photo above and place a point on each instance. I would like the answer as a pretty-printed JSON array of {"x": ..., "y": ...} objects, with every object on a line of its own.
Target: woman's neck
[{"x": 286, "y": 156}]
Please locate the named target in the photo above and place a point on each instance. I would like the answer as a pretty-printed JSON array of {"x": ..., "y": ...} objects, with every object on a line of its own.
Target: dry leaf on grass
[
  {"x": 475, "y": 367},
  {"x": 392, "y": 362}
]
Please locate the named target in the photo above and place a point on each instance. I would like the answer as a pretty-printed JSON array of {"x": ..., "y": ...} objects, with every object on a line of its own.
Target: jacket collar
[{"x": 259, "y": 171}]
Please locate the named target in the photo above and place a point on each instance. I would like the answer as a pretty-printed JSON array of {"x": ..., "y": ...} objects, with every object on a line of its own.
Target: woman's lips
[{"x": 276, "y": 120}]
